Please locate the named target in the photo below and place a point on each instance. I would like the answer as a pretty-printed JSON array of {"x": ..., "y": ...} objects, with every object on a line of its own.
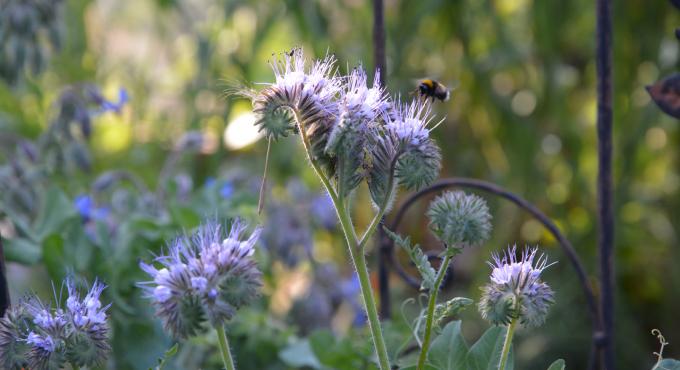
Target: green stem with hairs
[
  {"x": 355, "y": 250},
  {"x": 224, "y": 348},
  {"x": 430, "y": 310},
  {"x": 507, "y": 343}
]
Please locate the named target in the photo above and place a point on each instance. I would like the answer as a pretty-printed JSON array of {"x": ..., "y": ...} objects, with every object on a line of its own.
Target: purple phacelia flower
[
  {"x": 516, "y": 290},
  {"x": 204, "y": 276}
]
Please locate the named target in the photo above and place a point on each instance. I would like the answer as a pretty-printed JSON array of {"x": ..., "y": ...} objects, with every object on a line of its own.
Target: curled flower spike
[
  {"x": 460, "y": 219},
  {"x": 309, "y": 92},
  {"x": 14, "y": 327},
  {"x": 205, "y": 276},
  {"x": 516, "y": 290},
  {"x": 37, "y": 336},
  {"x": 409, "y": 122},
  {"x": 87, "y": 343},
  {"x": 361, "y": 102}
]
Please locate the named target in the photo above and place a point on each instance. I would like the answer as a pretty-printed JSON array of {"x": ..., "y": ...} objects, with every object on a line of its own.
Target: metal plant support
[{"x": 601, "y": 310}]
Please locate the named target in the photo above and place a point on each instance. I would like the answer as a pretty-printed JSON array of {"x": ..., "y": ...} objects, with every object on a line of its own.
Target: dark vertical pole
[
  {"x": 380, "y": 65},
  {"x": 4, "y": 287},
  {"x": 379, "y": 39},
  {"x": 604, "y": 179}
]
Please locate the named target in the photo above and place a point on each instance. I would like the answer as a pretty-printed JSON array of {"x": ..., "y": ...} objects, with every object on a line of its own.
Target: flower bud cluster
[
  {"x": 460, "y": 219},
  {"x": 29, "y": 32},
  {"x": 353, "y": 130},
  {"x": 206, "y": 276},
  {"x": 516, "y": 290},
  {"x": 36, "y": 336}
]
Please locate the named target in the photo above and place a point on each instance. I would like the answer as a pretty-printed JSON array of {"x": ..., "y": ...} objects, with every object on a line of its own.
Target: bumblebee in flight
[{"x": 429, "y": 88}]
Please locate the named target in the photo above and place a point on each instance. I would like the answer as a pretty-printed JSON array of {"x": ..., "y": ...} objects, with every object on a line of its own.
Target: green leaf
[
  {"x": 22, "y": 250},
  {"x": 449, "y": 349},
  {"x": 486, "y": 353},
  {"x": 667, "y": 364},
  {"x": 557, "y": 365},
  {"x": 172, "y": 351},
  {"x": 450, "y": 308},
  {"x": 300, "y": 354},
  {"x": 427, "y": 273},
  {"x": 53, "y": 256},
  {"x": 184, "y": 216},
  {"x": 54, "y": 212}
]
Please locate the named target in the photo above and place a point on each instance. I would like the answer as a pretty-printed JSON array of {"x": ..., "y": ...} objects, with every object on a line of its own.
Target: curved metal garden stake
[{"x": 388, "y": 256}]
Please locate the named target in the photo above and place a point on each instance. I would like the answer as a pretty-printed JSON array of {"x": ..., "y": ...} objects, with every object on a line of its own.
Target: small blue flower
[
  {"x": 88, "y": 210},
  {"x": 110, "y": 106},
  {"x": 227, "y": 190}
]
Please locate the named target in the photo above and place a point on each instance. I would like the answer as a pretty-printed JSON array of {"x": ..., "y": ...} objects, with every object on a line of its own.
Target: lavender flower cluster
[
  {"x": 353, "y": 131},
  {"x": 206, "y": 276},
  {"x": 37, "y": 336},
  {"x": 516, "y": 290}
]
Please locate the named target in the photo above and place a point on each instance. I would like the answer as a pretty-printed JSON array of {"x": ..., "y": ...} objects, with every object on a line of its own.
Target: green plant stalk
[
  {"x": 224, "y": 348},
  {"x": 371, "y": 310},
  {"x": 358, "y": 257},
  {"x": 507, "y": 343},
  {"x": 359, "y": 260},
  {"x": 430, "y": 310}
]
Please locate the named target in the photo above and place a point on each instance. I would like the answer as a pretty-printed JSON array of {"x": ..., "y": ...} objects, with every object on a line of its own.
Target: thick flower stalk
[
  {"x": 34, "y": 335},
  {"x": 351, "y": 132},
  {"x": 459, "y": 220},
  {"x": 204, "y": 278},
  {"x": 516, "y": 293}
]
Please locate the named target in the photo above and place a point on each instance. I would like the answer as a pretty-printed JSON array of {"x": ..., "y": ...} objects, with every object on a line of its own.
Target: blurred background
[{"x": 116, "y": 134}]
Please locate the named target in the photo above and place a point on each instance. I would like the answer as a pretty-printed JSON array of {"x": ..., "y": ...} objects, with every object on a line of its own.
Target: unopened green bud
[{"x": 459, "y": 219}]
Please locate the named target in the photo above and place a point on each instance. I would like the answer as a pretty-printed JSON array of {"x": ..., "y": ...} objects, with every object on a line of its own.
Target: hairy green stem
[
  {"x": 355, "y": 251},
  {"x": 224, "y": 348},
  {"x": 371, "y": 311},
  {"x": 430, "y": 310},
  {"x": 507, "y": 343}
]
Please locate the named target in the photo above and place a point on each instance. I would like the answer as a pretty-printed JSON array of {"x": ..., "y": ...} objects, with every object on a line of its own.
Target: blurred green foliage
[{"x": 522, "y": 114}]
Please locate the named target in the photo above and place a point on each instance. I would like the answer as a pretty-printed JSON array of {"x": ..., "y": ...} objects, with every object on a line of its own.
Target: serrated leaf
[
  {"x": 666, "y": 94},
  {"x": 485, "y": 354},
  {"x": 419, "y": 259},
  {"x": 449, "y": 350},
  {"x": 557, "y": 365}
]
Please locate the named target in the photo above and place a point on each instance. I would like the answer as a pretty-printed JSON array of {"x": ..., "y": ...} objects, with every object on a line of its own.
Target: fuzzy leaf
[
  {"x": 427, "y": 273},
  {"x": 486, "y": 353},
  {"x": 667, "y": 364},
  {"x": 300, "y": 354},
  {"x": 450, "y": 308},
  {"x": 557, "y": 365},
  {"x": 449, "y": 349}
]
